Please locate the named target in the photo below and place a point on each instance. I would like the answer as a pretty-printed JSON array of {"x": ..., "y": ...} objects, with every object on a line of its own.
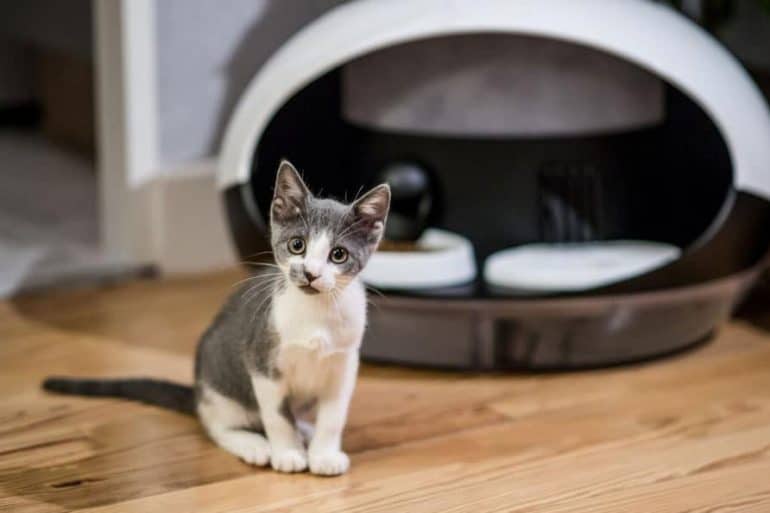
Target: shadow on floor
[{"x": 756, "y": 308}]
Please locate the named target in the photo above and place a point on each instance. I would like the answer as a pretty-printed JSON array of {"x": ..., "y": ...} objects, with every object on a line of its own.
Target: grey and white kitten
[{"x": 284, "y": 348}]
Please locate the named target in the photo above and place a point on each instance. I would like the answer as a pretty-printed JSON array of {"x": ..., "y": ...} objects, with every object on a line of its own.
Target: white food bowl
[
  {"x": 575, "y": 266},
  {"x": 446, "y": 260}
]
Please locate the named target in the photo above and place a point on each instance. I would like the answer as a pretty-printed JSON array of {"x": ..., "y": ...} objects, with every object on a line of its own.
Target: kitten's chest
[
  {"x": 308, "y": 372},
  {"x": 320, "y": 323}
]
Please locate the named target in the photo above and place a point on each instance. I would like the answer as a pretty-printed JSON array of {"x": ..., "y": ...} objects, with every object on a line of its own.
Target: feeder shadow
[{"x": 755, "y": 310}]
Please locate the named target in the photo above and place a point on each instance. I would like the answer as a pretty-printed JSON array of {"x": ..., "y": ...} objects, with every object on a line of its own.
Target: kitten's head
[{"x": 322, "y": 244}]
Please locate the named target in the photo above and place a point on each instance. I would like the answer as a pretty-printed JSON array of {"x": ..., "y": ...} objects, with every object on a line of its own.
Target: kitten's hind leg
[
  {"x": 227, "y": 423},
  {"x": 251, "y": 447}
]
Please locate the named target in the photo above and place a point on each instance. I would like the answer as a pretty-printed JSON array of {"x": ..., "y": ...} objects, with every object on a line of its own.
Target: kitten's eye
[
  {"x": 297, "y": 246},
  {"x": 338, "y": 255}
]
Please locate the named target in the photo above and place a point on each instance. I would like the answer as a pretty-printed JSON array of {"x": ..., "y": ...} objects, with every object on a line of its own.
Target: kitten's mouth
[{"x": 309, "y": 289}]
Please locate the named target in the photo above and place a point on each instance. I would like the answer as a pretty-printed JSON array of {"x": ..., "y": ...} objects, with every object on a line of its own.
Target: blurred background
[
  {"x": 576, "y": 184},
  {"x": 112, "y": 114}
]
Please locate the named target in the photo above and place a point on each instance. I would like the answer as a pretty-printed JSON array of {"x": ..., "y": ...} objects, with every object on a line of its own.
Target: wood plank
[{"x": 510, "y": 468}]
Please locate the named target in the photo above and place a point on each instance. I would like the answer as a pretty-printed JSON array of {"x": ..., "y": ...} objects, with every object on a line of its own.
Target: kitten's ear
[
  {"x": 289, "y": 194},
  {"x": 372, "y": 208}
]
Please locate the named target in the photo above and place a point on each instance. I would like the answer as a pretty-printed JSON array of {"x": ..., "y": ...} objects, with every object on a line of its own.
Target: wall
[{"x": 207, "y": 53}]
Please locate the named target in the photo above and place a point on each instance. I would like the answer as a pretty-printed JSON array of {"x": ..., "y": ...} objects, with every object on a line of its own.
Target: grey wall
[{"x": 208, "y": 51}]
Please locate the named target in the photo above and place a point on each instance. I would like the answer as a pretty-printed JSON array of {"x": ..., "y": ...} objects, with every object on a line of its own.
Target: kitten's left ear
[
  {"x": 372, "y": 208},
  {"x": 289, "y": 194}
]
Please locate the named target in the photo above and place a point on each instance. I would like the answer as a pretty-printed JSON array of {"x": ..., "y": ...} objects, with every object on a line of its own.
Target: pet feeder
[{"x": 555, "y": 126}]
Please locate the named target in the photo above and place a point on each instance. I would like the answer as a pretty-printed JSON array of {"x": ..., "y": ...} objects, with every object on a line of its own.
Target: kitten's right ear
[
  {"x": 371, "y": 209},
  {"x": 289, "y": 194}
]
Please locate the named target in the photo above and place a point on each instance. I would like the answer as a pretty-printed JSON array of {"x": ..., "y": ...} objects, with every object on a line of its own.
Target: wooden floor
[{"x": 689, "y": 433}]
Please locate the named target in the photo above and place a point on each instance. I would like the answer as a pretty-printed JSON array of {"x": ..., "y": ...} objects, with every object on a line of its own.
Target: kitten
[{"x": 285, "y": 346}]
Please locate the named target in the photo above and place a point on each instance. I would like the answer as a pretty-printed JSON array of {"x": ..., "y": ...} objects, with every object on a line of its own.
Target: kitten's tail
[{"x": 165, "y": 394}]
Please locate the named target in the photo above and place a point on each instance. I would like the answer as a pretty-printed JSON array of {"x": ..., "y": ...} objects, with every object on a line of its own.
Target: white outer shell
[
  {"x": 447, "y": 261},
  {"x": 650, "y": 35}
]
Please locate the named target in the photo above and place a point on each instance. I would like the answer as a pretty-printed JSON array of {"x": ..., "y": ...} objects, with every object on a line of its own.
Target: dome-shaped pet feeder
[{"x": 615, "y": 137}]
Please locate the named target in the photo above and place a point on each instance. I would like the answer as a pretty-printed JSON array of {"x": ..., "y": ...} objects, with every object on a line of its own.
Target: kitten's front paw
[
  {"x": 258, "y": 454},
  {"x": 288, "y": 460},
  {"x": 329, "y": 463}
]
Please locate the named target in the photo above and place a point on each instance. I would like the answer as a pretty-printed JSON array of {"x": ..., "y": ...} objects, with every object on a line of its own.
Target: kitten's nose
[{"x": 310, "y": 277}]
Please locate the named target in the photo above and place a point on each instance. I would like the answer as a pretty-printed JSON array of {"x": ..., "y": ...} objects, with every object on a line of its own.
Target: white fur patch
[
  {"x": 322, "y": 321},
  {"x": 318, "y": 358},
  {"x": 219, "y": 411},
  {"x": 329, "y": 463},
  {"x": 225, "y": 420},
  {"x": 317, "y": 254}
]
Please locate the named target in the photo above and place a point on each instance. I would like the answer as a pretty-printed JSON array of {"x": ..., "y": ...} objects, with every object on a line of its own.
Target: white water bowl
[
  {"x": 575, "y": 266},
  {"x": 446, "y": 260}
]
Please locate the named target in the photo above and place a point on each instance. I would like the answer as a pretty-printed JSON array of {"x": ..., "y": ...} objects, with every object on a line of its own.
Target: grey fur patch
[{"x": 241, "y": 340}]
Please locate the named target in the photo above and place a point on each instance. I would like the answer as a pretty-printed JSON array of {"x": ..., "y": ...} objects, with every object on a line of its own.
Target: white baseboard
[{"x": 191, "y": 233}]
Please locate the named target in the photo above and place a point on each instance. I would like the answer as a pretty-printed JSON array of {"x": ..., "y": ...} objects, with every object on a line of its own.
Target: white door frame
[{"x": 127, "y": 134}]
